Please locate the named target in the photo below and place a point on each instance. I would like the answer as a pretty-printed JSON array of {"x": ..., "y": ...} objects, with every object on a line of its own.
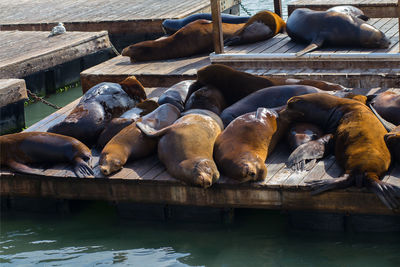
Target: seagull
[{"x": 57, "y": 30}]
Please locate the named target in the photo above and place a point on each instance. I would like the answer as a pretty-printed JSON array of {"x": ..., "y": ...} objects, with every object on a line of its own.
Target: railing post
[
  {"x": 278, "y": 7},
  {"x": 217, "y": 26},
  {"x": 398, "y": 14}
]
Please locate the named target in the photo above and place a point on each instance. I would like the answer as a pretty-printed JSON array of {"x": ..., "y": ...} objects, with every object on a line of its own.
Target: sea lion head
[
  {"x": 209, "y": 98},
  {"x": 373, "y": 38},
  {"x": 133, "y": 88},
  {"x": 200, "y": 172},
  {"x": 248, "y": 167},
  {"x": 392, "y": 141},
  {"x": 110, "y": 163},
  {"x": 139, "y": 52}
]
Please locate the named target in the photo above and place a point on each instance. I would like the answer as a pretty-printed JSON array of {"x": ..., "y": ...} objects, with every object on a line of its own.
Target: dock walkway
[
  {"x": 371, "y": 8},
  {"x": 146, "y": 181}
]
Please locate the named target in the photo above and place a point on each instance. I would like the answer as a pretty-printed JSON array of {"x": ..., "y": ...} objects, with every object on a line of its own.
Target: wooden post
[
  {"x": 217, "y": 26},
  {"x": 278, "y": 7},
  {"x": 398, "y": 14}
]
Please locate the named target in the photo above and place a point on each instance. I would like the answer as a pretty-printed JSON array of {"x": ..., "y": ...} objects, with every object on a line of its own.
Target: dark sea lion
[
  {"x": 350, "y": 10},
  {"x": 359, "y": 147},
  {"x": 262, "y": 26},
  {"x": 170, "y": 26},
  {"x": 387, "y": 104},
  {"x": 392, "y": 140},
  {"x": 98, "y": 106},
  {"x": 318, "y": 28},
  {"x": 241, "y": 149},
  {"x": 234, "y": 84},
  {"x": 176, "y": 94},
  {"x": 130, "y": 143},
  {"x": 186, "y": 147},
  {"x": 128, "y": 117},
  {"x": 270, "y": 97},
  {"x": 194, "y": 38},
  {"x": 20, "y": 149},
  {"x": 207, "y": 97}
]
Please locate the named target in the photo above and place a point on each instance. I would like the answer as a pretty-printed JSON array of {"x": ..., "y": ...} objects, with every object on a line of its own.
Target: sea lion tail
[
  {"x": 387, "y": 193},
  {"x": 388, "y": 126},
  {"x": 319, "y": 186},
  {"x": 151, "y": 132}
]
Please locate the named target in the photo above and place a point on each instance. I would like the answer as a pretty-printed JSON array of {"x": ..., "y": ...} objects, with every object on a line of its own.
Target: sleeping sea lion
[
  {"x": 359, "y": 147},
  {"x": 270, "y": 97},
  {"x": 234, "y": 84},
  {"x": 207, "y": 97},
  {"x": 350, "y": 10},
  {"x": 98, "y": 106},
  {"x": 128, "y": 117},
  {"x": 186, "y": 147},
  {"x": 392, "y": 140},
  {"x": 176, "y": 94},
  {"x": 170, "y": 26},
  {"x": 318, "y": 28},
  {"x": 131, "y": 144},
  {"x": 194, "y": 38},
  {"x": 241, "y": 149},
  {"x": 20, "y": 149},
  {"x": 262, "y": 26},
  {"x": 387, "y": 104}
]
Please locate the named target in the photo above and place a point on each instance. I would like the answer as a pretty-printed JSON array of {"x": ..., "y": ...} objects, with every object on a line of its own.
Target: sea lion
[
  {"x": 128, "y": 117},
  {"x": 262, "y": 26},
  {"x": 392, "y": 140},
  {"x": 387, "y": 104},
  {"x": 170, "y": 26},
  {"x": 241, "y": 149},
  {"x": 350, "y": 10},
  {"x": 301, "y": 133},
  {"x": 194, "y": 38},
  {"x": 20, "y": 149},
  {"x": 98, "y": 106},
  {"x": 130, "y": 143},
  {"x": 234, "y": 84},
  {"x": 270, "y": 97},
  {"x": 359, "y": 147},
  {"x": 176, "y": 94},
  {"x": 318, "y": 28},
  {"x": 186, "y": 147},
  {"x": 207, "y": 97}
]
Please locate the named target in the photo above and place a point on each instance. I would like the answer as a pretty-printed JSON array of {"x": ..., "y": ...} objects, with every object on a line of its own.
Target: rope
[
  {"x": 114, "y": 49},
  {"x": 245, "y": 9},
  {"x": 35, "y": 97}
]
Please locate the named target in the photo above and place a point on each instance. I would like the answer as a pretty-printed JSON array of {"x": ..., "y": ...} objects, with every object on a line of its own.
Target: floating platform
[
  {"x": 371, "y": 8},
  {"x": 123, "y": 19},
  {"x": 279, "y": 52},
  {"x": 146, "y": 181}
]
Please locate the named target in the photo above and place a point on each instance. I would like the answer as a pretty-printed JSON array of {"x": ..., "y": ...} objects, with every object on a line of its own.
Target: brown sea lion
[
  {"x": 19, "y": 149},
  {"x": 387, "y": 104},
  {"x": 262, "y": 26},
  {"x": 194, "y": 38},
  {"x": 207, "y": 97},
  {"x": 186, "y": 147},
  {"x": 117, "y": 124},
  {"x": 241, "y": 149},
  {"x": 359, "y": 142},
  {"x": 131, "y": 144},
  {"x": 234, "y": 84},
  {"x": 321, "y": 28},
  {"x": 176, "y": 94},
  {"x": 392, "y": 140},
  {"x": 98, "y": 106}
]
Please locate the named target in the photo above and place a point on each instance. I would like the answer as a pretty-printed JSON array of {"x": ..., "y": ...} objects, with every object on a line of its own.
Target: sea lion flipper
[
  {"x": 363, "y": 17},
  {"x": 22, "y": 167},
  {"x": 151, "y": 132},
  {"x": 82, "y": 169},
  {"x": 384, "y": 194},
  {"x": 320, "y": 186},
  {"x": 315, "y": 43}
]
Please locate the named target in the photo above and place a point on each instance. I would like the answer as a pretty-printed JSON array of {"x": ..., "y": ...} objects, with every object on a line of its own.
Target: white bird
[{"x": 57, "y": 30}]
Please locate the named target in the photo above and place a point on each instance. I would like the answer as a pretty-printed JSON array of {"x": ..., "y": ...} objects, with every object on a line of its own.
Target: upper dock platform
[{"x": 371, "y": 8}]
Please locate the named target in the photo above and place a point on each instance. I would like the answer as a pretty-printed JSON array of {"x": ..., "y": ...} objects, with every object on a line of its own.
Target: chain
[
  {"x": 114, "y": 49},
  {"x": 35, "y": 97},
  {"x": 245, "y": 9}
]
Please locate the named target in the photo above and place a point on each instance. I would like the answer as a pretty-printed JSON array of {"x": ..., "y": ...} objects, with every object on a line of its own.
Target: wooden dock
[
  {"x": 25, "y": 53},
  {"x": 371, "y": 8},
  {"x": 146, "y": 181},
  {"x": 279, "y": 52}
]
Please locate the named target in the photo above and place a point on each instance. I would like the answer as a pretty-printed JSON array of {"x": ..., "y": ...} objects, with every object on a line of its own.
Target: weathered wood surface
[
  {"x": 11, "y": 91},
  {"x": 146, "y": 181},
  {"x": 279, "y": 52},
  {"x": 117, "y": 17},
  {"x": 24, "y": 53},
  {"x": 371, "y": 8}
]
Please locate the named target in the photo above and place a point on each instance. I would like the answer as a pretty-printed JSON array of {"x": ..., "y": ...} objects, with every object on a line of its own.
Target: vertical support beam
[
  {"x": 278, "y": 7},
  {"x": 398, "y": 14},
  {"x": 217, "y": 26}
]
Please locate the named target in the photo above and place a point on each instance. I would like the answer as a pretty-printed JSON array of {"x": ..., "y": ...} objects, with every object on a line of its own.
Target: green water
[{"x": 98, "y": 237}]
